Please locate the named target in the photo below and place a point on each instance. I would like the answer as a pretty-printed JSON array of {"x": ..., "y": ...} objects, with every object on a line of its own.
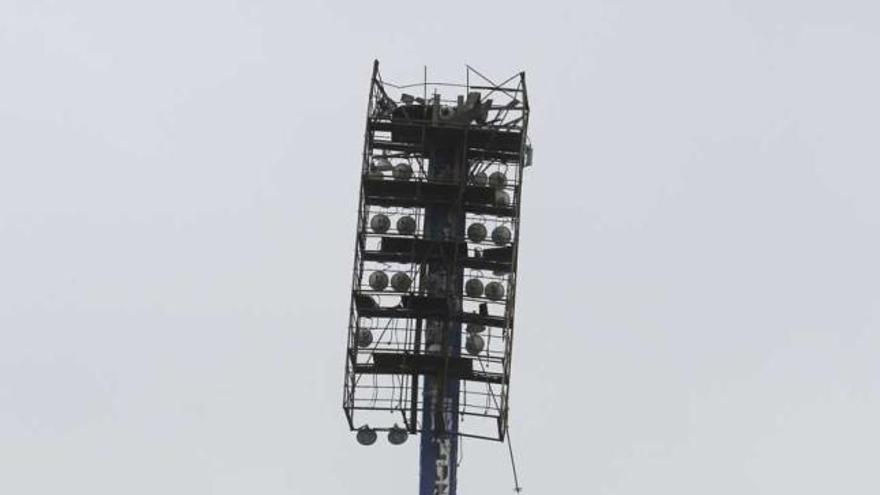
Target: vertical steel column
[{"x": 440, "y": 400}]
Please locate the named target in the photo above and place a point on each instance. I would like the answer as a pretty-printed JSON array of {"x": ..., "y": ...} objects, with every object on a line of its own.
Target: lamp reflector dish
[
  {"x": 397, "y": 435},
  {"x": 401, "y": 282},
  {"x": 474, "y": 287},
  {"x": 378, "y": 280},
  {"x": 366, "y": 435},
  {"x": 497, "y": 180},
  {"x": 402, "y": 171},
  {"x": 406, "y": 225},
  {"x": 380, "y": 223},
  {"x": 476, "y": 232},
  {"x": 474, "y": 344},
  {"x": 495, "y": 291},
  {"x": 501, "y": 235}
]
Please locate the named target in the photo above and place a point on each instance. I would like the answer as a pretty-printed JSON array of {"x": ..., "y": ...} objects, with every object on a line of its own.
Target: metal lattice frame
[{"x": 378, "y": 392}]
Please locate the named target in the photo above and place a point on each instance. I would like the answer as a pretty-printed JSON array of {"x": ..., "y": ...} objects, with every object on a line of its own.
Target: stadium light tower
[{"x": 434, "y": 279}]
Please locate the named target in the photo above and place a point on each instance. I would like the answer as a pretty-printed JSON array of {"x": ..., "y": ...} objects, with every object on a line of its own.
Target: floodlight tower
[{"x": 434, "y": 279}]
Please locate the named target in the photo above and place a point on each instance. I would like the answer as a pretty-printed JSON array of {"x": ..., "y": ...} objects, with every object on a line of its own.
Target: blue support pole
[
  {"x": 439, "y": 446},
  {"x": 440, "y": 396}
]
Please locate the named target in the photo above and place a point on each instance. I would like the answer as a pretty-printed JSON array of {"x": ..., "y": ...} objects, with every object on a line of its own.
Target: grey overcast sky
[{"x": 699, "y": 304}]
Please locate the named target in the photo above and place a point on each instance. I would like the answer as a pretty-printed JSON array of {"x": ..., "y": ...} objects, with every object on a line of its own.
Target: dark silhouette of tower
[{"x": 434, "y": 278}]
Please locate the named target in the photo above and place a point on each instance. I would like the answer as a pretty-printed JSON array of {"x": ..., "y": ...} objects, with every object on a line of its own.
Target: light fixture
[
  {"x": 380, "y": 223},
  {"x": 501, "y": 235},
  {"x": 474, "y": 344},
  {"x": 406, "y": 225},
  {"x": 474, "y": 287},
  {"x": 476, "y": 232},
  {"x": 378, "y": 280},
  {"x": 495, "y": 291},
  {"x": 502, "y": 198},
  {"x": 497, "y": 180},
  {"x": 402, "y": 171},
  {"x": 397, "y": 435},
  {"x": 366, "y": 435},
  {"x": 364, "y": 337},
  {"x": 400, "y": 282}
]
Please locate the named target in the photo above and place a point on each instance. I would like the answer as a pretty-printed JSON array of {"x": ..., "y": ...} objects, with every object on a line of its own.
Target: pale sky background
[{"x": 699, "y": 304}]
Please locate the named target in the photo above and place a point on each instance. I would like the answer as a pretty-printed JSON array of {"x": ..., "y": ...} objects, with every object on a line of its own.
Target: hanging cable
[{"x": 516, "y": 487}]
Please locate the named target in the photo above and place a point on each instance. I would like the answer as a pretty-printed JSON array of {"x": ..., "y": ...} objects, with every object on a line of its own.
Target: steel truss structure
[{"x": 431, "y": 323}]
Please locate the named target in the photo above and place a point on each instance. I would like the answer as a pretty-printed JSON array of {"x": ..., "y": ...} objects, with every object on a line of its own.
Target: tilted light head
[
  {"x": 401, "y": 282},
  {"x": 366, "y": 435},
  {"x": 501, "y": 235},
  {"x": 476, "y": 232},
  {"x": 402, "y": 171},
  {"x": 474, "y": 287},
  {"x": 406, "y": 225},
  {"x": 495, "y": 291},
  {"x": 474, "y": 344},
  {"x": 497, "y": 180},
  {"x": 502, "y": 198},
  {"x": 364, "y": 338},
  {"x": 397, "y": 435},
  {"x": 380, "y": 223},
  {"x": 378, "y": 280}
]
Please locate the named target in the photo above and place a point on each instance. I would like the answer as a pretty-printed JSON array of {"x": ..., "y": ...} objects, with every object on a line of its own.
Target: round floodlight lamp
[
  {"x": 401, "y": 282},
  {"x": 366, "y": 435},
  {"x": 378, "y": 280},
  {"x": 476, "y": 232},
  {"x": 364, "y": 338},
  {"x": 402, "y": 171},
  {"x": 502, "y": 198},
  {"x": 495, "y": 291},
  {"x": 474, "y": 287},
  {"x": 406, "y": 225},
  {"x": 474, "y": 344},
  {"x": 380, "y": 223},
  {"x": 397, "y": 435},
  {"x": 501, "y": 235},
  {"x": 497, "y": 180}
]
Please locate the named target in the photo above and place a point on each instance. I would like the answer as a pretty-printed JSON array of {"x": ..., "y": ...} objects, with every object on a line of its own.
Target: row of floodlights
[
  {"x": 474, "y": 343},
  {"x": 368, "y": 436},
  {"x": 403, "y": 171},
  {"x": 406, "y": 225},
  {"x": 401, "y": 282}
]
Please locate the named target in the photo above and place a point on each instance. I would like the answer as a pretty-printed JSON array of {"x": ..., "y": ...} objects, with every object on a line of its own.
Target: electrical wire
[{"x": 516, "y": 486}]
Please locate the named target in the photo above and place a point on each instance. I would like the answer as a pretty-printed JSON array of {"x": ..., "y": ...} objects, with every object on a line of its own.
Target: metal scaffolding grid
[{"x": 383, "y": 376}]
